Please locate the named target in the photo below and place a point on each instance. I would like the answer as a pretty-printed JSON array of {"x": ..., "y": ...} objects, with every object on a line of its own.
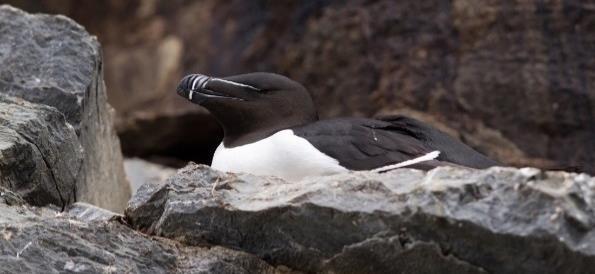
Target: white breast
[{"x": 282, "y": 154}]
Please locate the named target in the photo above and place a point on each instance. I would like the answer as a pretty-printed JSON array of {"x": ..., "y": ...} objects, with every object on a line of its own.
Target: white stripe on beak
[
  {"x": 203, "y": 82},
  {"x": 198, "y": 81},
  {"x": 194, "y": 81}
]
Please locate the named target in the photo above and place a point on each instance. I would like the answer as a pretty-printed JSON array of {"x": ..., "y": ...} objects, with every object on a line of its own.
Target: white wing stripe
[{"x": 428, "y": 157}]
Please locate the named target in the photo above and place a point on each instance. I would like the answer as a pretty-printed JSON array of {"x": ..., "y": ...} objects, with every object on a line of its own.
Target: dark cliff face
[{"x": 516, "y": 81}]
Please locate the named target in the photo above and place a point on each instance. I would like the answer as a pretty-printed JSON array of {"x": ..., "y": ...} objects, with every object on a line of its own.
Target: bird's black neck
[{"x": 247, "y": 130}]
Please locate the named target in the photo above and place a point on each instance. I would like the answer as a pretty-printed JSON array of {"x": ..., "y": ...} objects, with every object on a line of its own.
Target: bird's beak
[
  {"x": 198, "y": 88},
  {"x": 192, "y": 84}
]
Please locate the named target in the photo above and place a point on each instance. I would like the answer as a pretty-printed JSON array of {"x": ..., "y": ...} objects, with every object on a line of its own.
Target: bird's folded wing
[{"x": 362, "y": 144}]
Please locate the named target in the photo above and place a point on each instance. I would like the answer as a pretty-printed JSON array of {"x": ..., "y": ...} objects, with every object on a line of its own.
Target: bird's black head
[{"x": 250, "y": 106}]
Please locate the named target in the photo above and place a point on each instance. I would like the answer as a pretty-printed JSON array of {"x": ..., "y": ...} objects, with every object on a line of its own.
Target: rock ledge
[{"x": 499, "y": 220}]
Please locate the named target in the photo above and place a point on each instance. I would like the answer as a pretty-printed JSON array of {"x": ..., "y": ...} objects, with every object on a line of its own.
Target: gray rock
[
  {"x": 500, "y": 220},
  {"x": 52, "y": 60},
  {"x": 88, "y": 213},
  {"x": 140, "y": 172},
  {"x": 10, "y": 198},
  {"x": 42, "y": 240},
  {"x": 40, "y": 155}
]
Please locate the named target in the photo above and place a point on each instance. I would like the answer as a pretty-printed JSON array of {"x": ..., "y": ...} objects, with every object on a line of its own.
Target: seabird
[{"x": 271, "y": 127}]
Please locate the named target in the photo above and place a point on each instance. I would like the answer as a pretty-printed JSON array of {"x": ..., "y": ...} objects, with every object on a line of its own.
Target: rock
[
  {"x": 40, "y": 155},
  {"x": 41, "y": 240},
  {"x": 10, "y": 198},
  {"x": 514, "y": 80},
  {"x": 89, "y": 213},
  {"x": 53, "y": 61},
  {"x": 500, "y": 220},
  {"x": 141, "y": 172}
]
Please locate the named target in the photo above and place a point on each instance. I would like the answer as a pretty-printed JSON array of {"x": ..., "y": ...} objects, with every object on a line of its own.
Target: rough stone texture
[
  {"x": 40, "y": 155},
  {"x": 10, "y": 198},
  {"x": 89, "y": 213},
  {"x": 500, "y": 220},
  {"x": 51, "y": 60},
  {"x": 41, "y": 240},
  {"x": 140, "y": 172},
  {"x": 513, "y": 79}
]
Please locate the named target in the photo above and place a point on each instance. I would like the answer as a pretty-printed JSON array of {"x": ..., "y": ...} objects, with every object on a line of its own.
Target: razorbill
[{"x": 271, "y": 127}]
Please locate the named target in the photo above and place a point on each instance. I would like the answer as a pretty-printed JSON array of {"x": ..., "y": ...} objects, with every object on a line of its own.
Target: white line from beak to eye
[{"x": 234, "y": 83}]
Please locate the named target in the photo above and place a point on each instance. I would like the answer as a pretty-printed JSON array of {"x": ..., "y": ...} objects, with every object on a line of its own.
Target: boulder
[
  {"x": 499, "y": 220},
  {"x": 42, "y": 240},
  {"x": 53, "y": 61},
  {"x": 40, "y": 155}
]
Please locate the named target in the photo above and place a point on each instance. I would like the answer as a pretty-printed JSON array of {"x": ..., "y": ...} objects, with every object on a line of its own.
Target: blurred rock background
[{"x": 515, "y": 80}]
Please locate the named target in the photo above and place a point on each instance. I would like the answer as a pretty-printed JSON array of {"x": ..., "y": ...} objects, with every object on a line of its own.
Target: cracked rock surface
[
  {"x": 500, "y": 220},
  {"x": 42, "y": 240},
  {"x": 52, "y": 61},
  {"x": 39, "y": 153}
]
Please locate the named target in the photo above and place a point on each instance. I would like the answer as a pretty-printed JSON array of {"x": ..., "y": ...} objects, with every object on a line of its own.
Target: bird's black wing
[
  {"x": 451, "y": 150},
  {"x": 361, "y": 144}
]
